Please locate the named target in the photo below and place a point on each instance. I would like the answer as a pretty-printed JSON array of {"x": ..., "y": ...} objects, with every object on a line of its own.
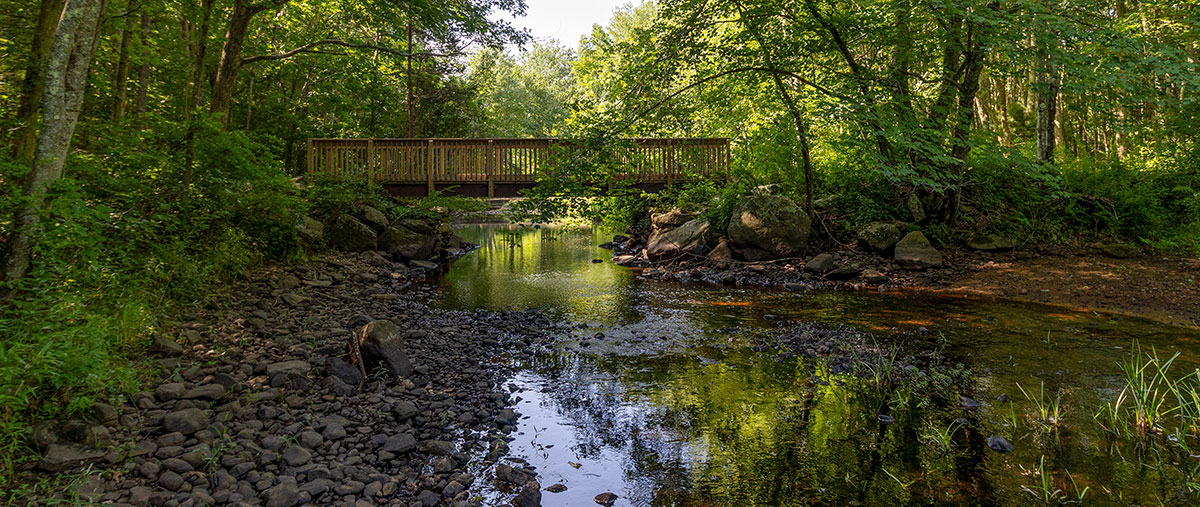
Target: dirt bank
[{"x": 1165, "y": 289}]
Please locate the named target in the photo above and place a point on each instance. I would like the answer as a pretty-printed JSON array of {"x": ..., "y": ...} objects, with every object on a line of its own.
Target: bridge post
[
  {"x": 370, "y": 162},
  {"x": 429, "y": 170},
  {"x": 493, "y": 163}
]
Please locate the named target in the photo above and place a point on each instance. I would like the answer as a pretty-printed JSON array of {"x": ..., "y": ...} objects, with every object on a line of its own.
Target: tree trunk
[
  {"x": 231, "y": 54},
  {"x": 1004, "y": 120},
  {"x": 121, "y": 73},
  {"x": 33, "y": 86},
  {"x": 67, "y": 62},
  {"x": 1047, "y": 108},
  {"x": 408, "y": 78},
  {"x": 143, "y": 72}
]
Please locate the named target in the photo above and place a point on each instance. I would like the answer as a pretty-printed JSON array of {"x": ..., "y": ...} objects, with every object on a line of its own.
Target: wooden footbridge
[{"x": 501, "y": 167}]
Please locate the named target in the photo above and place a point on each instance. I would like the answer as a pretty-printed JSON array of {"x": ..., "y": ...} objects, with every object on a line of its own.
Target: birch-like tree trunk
[
  {"x": 65, "y": 74},
  {"x": 34, "y": 85}
]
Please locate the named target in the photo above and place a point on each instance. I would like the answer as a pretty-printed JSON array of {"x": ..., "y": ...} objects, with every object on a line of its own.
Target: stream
[{"x": 665, "y": 396}]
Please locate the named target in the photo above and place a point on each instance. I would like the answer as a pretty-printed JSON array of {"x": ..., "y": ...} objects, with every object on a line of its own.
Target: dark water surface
[{"x": 670, "y": 405}]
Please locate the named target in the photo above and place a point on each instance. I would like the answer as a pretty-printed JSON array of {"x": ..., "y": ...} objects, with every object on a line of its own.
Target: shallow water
[{"x": 662, "y": 398}]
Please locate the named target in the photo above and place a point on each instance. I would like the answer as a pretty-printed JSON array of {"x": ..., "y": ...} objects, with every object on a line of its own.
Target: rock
[
  {"x": 670, "y": 219},
  {"x": 556, "y": 488},
  {"x": 170, "y": 481},
  {"x": 381, "y": 343},
  {"x": 295, "y": 455},
  {"x": 914, "y": 252},
  {"x": 339, "y": 368},
  {"x": 990, "y": 243},
  {"x": 334, "y": 431},
  {"x": 170, "y": 391},
  {"x": 1120, "y": 250},
  {"x": 209, "y": 392},
  {"x": 844, "y": 273},
  {"x": 768, "y": 189},
  {"x": 60, "y": 458},
  {"x": 822, "y": 263},
  {"x": 407, "y": 244},
  {"x": 418, "y": 226},
  {"x": 872, "y": 276},
  {"x": 437, "y": 447},
  {"x": 512, "y": 475},
  {"x": 625, "y": 260},
  {"x": 294, "y": 300},
  {"x": 166, "y": 347},
  {"x": 968, "y": 403},
  {"x": 530, "y": 495},
  {"x": 770, "y": 223},
  {"x": 285, "y": 494},
  {"x": 423, "y": 265},
  {"x": 400, "y": 444},
  {"x": 429, "y": 498},
  {"x": 606, "y": 499},
  {"x": 373, "y": 217},
  {"x": 886, "y": 419},
  {"x": 722, "y": 254},
  {"x": 506, "y": 417},
  {"x": 347, "y": 233},
  {"x": 104, "y": 412},
  {"x": 296, "y": 366},
  {"x": 915, "y": 208},
  {"x": 879, "y": 236},
  {"x": 666, "y": 244},
  {"x": 311, "y": 231},
  {"x": 186, "y": 421},
  {"x": 1000, "y": 444}
]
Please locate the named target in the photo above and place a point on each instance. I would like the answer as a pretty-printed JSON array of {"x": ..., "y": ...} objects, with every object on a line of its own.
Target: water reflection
[{"x": 667, "y": 400}]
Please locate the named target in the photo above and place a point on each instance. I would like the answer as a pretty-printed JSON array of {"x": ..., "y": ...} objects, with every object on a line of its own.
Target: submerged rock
[
  {"x": 606, "y": 499},
  {"x": 1000, "y": 444}
]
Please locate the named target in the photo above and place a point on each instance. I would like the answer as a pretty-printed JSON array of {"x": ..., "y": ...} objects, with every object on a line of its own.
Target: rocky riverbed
[{"x": 260, "y": 404}]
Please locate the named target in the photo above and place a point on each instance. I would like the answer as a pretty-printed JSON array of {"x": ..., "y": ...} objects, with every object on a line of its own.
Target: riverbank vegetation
[{"x": 154, "y": 150}]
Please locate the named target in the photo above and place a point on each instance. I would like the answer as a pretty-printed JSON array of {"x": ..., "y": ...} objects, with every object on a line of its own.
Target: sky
[{"x": 566, "y": 20}]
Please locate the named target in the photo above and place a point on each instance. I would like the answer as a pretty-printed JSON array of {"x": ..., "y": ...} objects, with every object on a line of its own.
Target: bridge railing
[{"x": 505, "y": 160}]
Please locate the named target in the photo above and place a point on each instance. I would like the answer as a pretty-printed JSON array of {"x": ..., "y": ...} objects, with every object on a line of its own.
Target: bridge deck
[{"x": 500, "y": 167}]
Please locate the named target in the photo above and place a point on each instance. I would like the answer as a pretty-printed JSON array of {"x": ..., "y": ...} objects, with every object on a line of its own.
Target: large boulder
[
  {"x": 347, "y": 233},
  {"x": 914, "y": 252},
  {"x": 770, "y": 223},
  {"x": 374, "y": 218},
  {"x": 690, "y": 237},
  {"x": 670, "y": 219},
  {"x": 382, "y": 344},
  {"x": 311, "y": 231},
  {"x": 990, "y": 243},
  {"x": 407, "y": 243},
  {"x": 879, "y": 236}
]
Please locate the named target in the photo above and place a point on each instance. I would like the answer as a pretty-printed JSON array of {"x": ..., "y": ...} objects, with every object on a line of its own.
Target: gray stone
[
  {"x": 606, "y": 499},
  {"x": 382, "y": 344},
  {"x": 60, "y": 458},
  {"x": 915, "y": 208},
  {"x": 670, "y": 219},
  {"x": 990, "y": 243},
  {"x": 879, "y": 236},
  {"x": 285, "y": 494},
  {"x": 530, "y": 495},
  {"x": 310, "y": 231},
  {"x": 721, "y": 255},
  {"x": 168, "y": 392},
  {"x": 844, "y": 273},
  {"x": 1120, "y": 250},
  {"x": 310, "y": 439},
  {"x": 401, "y": 443},
  {"x": 406, "y": 243},
  {"x": 689, "y": 238},
  {"x": 210, "y": 392},
  {"x": 437, "y": 447},
  {"x": 295, "y": 455},
  {"x": 429, "y": 498},
  {"x": 296, "y": 367},
  {"x": 773, "y": 224},
  {"x": 347, "y": 233},
  {"x": 821, "y": 264},
  {"x": 374, "y": 218},
  {"x": 165, "y": 347},
  {"x": 914, "y": 252},
  {"x": 186, "y": 421},
  {"x": 507, "y": 417},
  {"x": 334, "y": 431},
  {"x": 170, "y": 481},
  {"x": 423, "y": 265}
]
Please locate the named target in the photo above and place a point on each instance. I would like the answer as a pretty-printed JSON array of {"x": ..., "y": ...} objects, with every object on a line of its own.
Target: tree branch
[{"x": 312, "y": 48}]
